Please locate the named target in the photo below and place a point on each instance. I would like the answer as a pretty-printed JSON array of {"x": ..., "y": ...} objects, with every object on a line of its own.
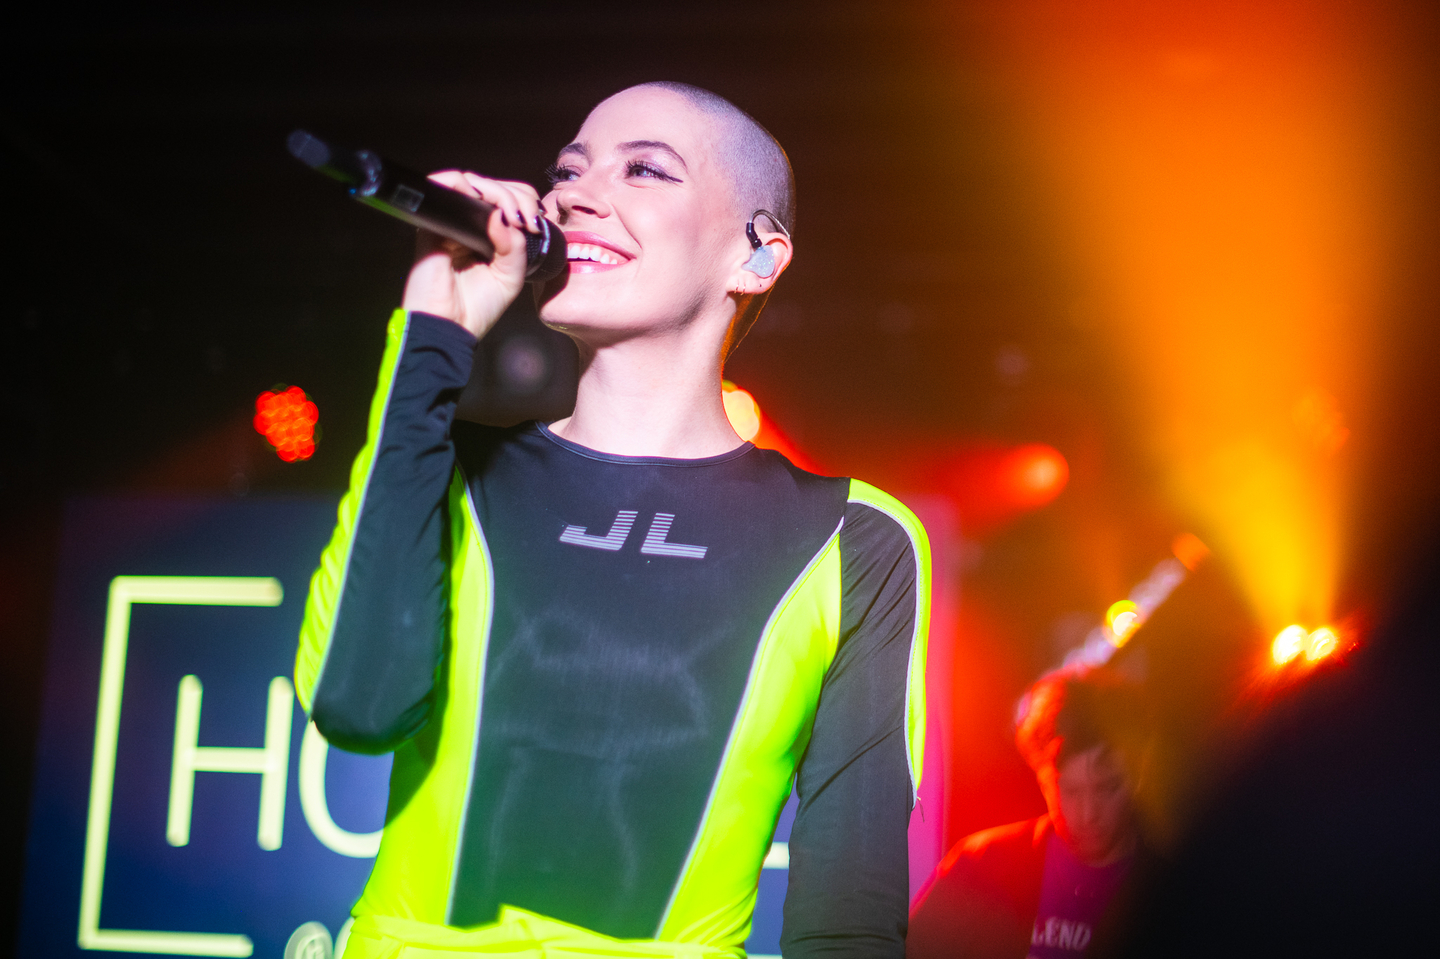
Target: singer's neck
[{"x": 651, "y": 396}]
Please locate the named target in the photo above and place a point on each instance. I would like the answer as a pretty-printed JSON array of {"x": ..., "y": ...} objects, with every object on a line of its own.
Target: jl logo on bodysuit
[{"x": 654, "y": 544}]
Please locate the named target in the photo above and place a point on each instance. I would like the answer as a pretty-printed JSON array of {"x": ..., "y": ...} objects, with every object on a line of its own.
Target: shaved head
[
  {"x": 688, "y": 169},
  {"x": 755, "y": 160},
  {"x": 759, "y": 171}
]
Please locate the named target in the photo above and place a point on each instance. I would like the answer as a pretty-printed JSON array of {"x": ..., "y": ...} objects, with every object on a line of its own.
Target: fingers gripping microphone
[{"x": 420, "y": 201}]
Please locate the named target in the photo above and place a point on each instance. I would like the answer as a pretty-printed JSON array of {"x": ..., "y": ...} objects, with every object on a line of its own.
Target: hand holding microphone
[{"x": 481, "y": 239}]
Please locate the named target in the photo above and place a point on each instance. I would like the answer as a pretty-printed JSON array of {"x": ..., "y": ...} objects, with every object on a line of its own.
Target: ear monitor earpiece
[{"x": 762, "y": 260}]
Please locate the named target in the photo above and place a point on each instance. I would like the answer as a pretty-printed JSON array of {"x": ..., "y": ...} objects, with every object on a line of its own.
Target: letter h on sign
[
  {"x": 125, "y": 592},
  {"x": 271, "y": 761}
]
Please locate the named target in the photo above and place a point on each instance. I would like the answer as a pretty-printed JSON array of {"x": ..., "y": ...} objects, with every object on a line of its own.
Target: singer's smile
[{"x": 591, "y": 253}]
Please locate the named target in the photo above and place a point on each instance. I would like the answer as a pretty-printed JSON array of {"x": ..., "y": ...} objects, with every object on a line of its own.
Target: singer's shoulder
[
  {"x": 869, "y": 517},
  {"x": 860, "y": 495}
]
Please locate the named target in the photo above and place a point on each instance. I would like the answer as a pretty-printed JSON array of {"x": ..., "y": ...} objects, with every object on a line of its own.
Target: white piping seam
[
  {"x": 910, "y": 659},
  {"x": 739, "y": 716},
  {"x": 479, "y": 691},
  {"x": 360, "y": 510}
]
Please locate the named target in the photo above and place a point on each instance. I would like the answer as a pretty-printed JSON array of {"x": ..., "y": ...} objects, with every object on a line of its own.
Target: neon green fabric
[
  {"x": 715, "y": 897},
  {"x": 518, "y": 934},
  {"x": 326, "y": 584},
  {"x": 861, "y": 492},
  {"x": 413, "y": 876}
]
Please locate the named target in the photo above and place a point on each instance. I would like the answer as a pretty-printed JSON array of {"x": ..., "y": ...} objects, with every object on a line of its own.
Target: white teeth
[{"x": 591, "y": 252}]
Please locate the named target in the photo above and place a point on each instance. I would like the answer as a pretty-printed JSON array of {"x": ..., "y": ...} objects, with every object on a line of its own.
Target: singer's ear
[{"x": 762, "y": 267}]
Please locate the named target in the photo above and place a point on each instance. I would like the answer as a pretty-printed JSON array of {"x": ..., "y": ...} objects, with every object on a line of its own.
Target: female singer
[{"x": 602, "y": 649}]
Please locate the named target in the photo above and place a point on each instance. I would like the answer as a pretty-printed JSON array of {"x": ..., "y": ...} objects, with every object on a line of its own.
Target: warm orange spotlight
[
  {"x": 1034, "y": 474},
  {"x": 1322, "y": 643},
  {"x": 1123, "y": 618},
  {"x": 287, "y": 420},
  {"x": 742, "y": 411},
  {"x": 1318, "y": 418},
  {"x": 1291, "y": 641},
  {"x": 1218, "y": 173}
]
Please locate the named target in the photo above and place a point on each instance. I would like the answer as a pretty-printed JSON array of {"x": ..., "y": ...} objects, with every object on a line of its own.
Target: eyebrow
[
  {"x": 581, "y": 150},
  {"x": 660, "y": 145}
]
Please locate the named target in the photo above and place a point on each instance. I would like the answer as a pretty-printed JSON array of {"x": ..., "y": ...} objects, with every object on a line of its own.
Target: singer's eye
[
  {"x": 556, "y": 173},
  {"x": 643, "y": 169}
]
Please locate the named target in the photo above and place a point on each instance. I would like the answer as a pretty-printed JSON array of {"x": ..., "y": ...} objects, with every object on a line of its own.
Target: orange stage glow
[
  {"x": 287, "y": 420},
  {"x": 750, "y": 424},
  {"x": 1034, "y": 474},
  {"x": 1189, "y": 550},
  {"x": 993, "y": 485},
  {"x": 1219, "y": 173}
]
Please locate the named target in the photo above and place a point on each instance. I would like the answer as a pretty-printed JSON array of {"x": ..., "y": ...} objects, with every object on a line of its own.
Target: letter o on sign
[{"x": 314, "y": 750}]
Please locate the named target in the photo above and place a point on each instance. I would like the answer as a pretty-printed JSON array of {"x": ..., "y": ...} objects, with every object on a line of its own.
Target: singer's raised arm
[{"x": 374, "y": 623}]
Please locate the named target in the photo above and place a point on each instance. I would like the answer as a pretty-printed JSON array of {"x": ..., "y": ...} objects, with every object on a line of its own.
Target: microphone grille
[{"x": 546, "y": 253}]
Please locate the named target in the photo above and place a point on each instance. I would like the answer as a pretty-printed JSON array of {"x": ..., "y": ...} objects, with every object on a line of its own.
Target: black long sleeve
[
  {"x": 849, "y": 860},
  {"x": 374, "y": 691}
]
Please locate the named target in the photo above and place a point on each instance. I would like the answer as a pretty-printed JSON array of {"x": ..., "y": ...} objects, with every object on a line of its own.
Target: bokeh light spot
[
  {"x": 1322, "y": 643},
  {"x": 1035, "y": 474},
  {"x": 287, "y": 419},
  {"x": 1123, "y": 618},
  {"x": 1189, "y": 550},
  {"x": 1318, "y": 418},
  {"x": 1288, "y": 644},
  {"x": 742, "y": 411}
]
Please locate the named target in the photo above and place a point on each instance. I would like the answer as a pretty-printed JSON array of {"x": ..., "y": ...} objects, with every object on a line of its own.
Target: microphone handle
[{"x": 406, "y": 195}]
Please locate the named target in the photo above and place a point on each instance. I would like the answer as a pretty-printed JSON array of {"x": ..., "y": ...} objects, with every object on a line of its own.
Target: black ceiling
[{"x": 172, "y": 260}]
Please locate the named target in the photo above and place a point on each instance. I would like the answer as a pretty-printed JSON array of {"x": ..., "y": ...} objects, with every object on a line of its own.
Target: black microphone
[{"x": 420, "y": 201}]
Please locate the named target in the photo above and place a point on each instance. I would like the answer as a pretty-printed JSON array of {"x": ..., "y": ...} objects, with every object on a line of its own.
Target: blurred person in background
[{"x": 1043, "y": 887}]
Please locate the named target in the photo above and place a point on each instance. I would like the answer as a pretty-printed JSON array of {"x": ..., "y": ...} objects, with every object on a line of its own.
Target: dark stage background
[{"x": 167, "y": 261}]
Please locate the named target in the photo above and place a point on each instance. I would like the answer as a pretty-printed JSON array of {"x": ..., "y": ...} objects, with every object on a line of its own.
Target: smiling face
[
  {"x": 1091, "y": 804},
  {"x": 651, "y": 219}
]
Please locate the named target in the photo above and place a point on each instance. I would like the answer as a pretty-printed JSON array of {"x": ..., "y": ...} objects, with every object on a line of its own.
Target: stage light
[
  {"x": 287, "y": 419},
  {"x": 742, "y": 411},
  {"x": 1123, "y": 618},
  {"x": 1231, "y": 219},
  {"x": 1035, "y": 474},
  {"x": 1289, "y": 643},
  {"x": 1323, "y": 642},
  {"x": 1126, "y": 616}
]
